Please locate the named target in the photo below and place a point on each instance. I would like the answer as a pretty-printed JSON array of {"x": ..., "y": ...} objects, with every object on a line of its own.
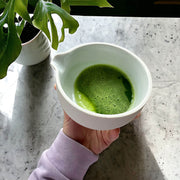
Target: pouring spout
[{"x": 58, "y": 63}]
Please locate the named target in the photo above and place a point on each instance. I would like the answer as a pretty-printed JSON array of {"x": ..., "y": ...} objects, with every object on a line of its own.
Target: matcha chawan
[{"x": 103, "y": 89}]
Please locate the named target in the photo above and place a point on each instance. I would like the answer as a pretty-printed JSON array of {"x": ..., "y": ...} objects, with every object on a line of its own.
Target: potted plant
[{"x": 11, "y": 26}]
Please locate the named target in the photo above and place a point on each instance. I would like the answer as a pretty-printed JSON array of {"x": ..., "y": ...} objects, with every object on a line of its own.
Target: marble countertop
[{"x": 147, "y": 149}]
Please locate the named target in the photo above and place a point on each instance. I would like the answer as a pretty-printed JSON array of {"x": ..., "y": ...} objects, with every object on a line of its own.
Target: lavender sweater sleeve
[{"x": 66, "y": 159}]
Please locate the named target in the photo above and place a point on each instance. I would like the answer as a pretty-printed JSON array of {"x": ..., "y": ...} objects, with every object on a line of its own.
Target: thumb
[{"x": 113, "y": 134}]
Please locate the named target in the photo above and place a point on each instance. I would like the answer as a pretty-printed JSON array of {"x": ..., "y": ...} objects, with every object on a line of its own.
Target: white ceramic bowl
[{"x": 70, "y": 64}]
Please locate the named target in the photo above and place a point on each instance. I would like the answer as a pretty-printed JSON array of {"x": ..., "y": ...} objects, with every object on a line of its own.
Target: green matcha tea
[{"x": 103, "y": 89}]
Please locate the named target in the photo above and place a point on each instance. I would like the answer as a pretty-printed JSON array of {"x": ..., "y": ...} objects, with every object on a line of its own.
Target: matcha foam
[{"x": 103, "y": 89}]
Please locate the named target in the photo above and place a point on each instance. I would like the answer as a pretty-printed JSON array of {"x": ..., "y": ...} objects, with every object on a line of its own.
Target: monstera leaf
[
  {"x": 65, "y": 4},
  {"x": 21, "y": 8},
  {"x": 10, "y": 44},
  {"x": 100, "y": 3},
  {"x": 2, "y": 4},
  {"x": 43, "y": 13}
]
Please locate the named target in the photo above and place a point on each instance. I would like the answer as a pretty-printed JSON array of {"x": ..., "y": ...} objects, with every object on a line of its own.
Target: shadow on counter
[
  {"x": 30, "y": 114},
  {"x": 128, "y": 158}
]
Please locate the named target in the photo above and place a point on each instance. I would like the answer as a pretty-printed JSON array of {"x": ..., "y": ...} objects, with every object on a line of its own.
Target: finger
[
  {"x": 137, "y": 116},
  {"x": 55, "y": 86},
  {"x": 113, "y": 134},
  {"x": 66, "y": 117}
]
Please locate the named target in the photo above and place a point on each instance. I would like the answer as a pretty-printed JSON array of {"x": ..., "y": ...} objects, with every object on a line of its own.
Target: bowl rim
[{"x": 98, "y": 115}]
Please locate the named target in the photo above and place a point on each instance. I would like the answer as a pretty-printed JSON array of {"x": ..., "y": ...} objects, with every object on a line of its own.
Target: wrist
[{"x": 78, "y": 139}]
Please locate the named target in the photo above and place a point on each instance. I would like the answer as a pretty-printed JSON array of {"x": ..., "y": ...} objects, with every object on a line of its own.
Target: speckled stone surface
[{"x": 147, "y": 149}]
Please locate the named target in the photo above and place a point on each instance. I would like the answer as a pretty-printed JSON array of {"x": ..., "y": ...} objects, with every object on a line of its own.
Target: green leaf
[
  {"x": 10, "y": 44},
  {"x": 21, "y": 9},
  {"x": 65, "y": 5},
  {"x": 2, "y": 4},
  {"x": 54, "y": 34},
  {"x": 41, "y": 18},
  {"x": 43, "y": 13},
  {"x": 20, "y": 26},
  {"x": 100, "y": 3}
]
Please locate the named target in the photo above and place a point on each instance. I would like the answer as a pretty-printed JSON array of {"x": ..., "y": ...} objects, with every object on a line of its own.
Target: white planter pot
[{"x": 34, "y": 51}]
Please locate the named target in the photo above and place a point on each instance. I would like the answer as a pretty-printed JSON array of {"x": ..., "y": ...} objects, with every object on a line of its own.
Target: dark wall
[{"x": 141, "y": 8}]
